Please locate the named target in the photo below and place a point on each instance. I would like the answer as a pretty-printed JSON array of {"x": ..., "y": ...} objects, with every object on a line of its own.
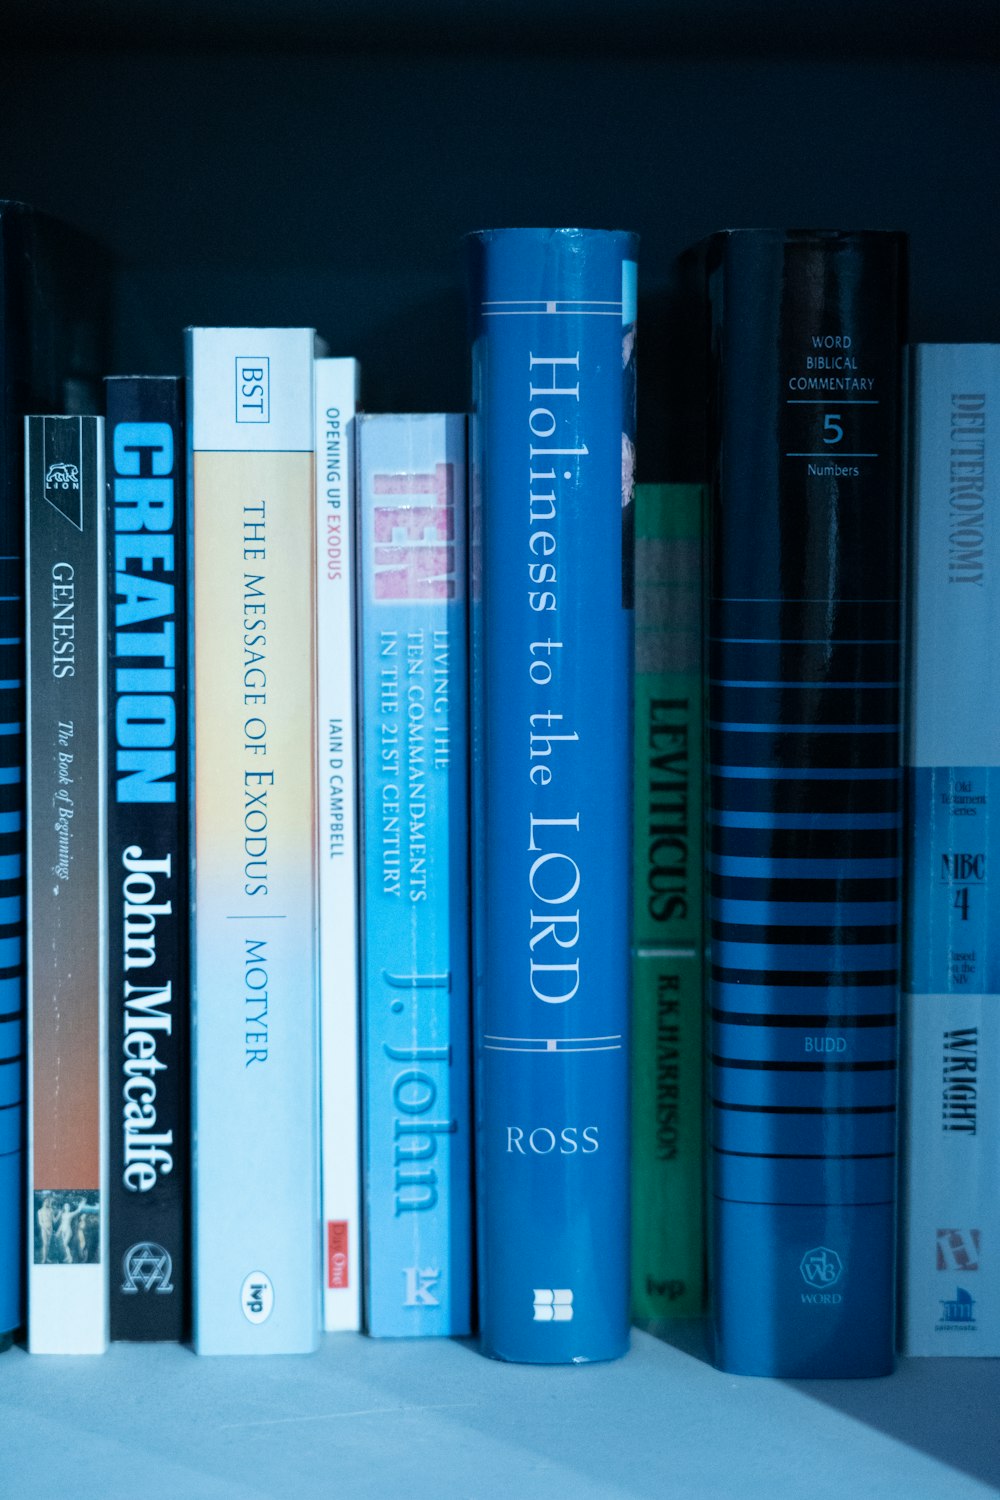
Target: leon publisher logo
[
  {"x": 257, "y": 1297},
  {"x": 62, "y": 465},
  {"x": 61, "y": 477},
  {"x": 821, "y": 1269}
]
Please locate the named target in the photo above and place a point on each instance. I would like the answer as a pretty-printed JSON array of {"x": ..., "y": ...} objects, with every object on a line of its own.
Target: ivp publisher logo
[
  {"x": 821, "y": 1269},
  {"x": 257, "y": 1297},
  {"x": 958, "y": 1313}
]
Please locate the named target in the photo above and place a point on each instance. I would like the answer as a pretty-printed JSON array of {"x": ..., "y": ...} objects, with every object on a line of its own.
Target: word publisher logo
[
  {"x": 553, "y": 1305},
  {"x": 821, "y": 1267},
  {"x": 147, "y": 1267}
]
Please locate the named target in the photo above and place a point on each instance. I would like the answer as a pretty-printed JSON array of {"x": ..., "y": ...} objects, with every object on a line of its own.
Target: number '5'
[{"x": 831, "y": 425}]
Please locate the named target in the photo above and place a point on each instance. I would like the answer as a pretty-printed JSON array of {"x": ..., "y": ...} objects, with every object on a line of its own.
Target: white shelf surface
[{"x": 436, "y": 1419}]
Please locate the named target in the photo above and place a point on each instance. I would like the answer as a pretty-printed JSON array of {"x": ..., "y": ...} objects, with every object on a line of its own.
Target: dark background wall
[{"x": 316, "y": 164}]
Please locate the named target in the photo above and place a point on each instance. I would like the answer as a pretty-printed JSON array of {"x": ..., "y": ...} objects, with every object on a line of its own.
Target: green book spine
[{"x": 667, "y": 1168}]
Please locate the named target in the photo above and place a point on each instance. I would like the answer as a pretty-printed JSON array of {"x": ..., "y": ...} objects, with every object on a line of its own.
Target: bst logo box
[{"x": 253, "y": 388}]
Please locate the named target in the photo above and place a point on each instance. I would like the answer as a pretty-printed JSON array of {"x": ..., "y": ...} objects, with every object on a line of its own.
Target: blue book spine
[
  {"x": 411, "y": 541},
  {"x": 553, "y": 318},
  {"x": 950, "y": 1220},
  {"x": 804, "y": 819}
]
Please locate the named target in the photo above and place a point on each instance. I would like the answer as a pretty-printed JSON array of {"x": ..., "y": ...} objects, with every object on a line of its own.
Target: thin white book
[
  {"x": 254, "y": 990},
  {"x": 950, "y": 1128},
  {"x": 336, "y": 403},
  {"x": 67, "y": 913}
]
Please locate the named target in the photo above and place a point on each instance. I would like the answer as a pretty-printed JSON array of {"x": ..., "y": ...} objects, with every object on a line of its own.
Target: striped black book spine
[{"x": 804, "y": 813}]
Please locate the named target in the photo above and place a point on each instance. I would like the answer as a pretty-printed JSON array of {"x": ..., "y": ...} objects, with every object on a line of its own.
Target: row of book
[
  {"x": 121, "y": 574},
  {"x": 269, "y": 528},
  {"x": 479, "y": 843}
]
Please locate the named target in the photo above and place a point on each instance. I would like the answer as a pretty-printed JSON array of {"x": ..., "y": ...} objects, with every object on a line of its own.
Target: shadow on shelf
[{"x": 962, "y": 1431}]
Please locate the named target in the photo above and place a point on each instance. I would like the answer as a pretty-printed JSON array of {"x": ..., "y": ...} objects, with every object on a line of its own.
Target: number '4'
[{"x": 961, "y": 902}]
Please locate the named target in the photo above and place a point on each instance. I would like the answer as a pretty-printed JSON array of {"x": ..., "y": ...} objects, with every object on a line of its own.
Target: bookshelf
[
  {"x": 435, "y": 1419},
  {"x": 311, "y": 163}
]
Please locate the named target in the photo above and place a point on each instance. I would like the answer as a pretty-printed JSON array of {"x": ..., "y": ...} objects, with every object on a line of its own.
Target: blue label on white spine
[{"x": 956, "y": 846}]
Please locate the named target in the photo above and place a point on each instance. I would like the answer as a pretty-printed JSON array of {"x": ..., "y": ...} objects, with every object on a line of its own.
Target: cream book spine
[{"x": 255, "y": 1036}]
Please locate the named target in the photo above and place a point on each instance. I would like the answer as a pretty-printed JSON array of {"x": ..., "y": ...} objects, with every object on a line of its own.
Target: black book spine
[
  {"x": 148, "y": 1029},
  {"x": 66, "y": 919},
  {"x": 803, "y": 807}
]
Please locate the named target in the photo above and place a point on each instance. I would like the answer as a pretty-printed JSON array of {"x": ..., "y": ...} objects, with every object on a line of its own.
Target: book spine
[
  {"x": 67, "y": 918},
  {"x": 804, "y": 820},
  {"x": 950, "y": 1223},
  {"x": 668, "y": 1246},
  {"x": 336, "y": 402},
  {"x": 553, "y": 315},
  {"x": 147, "y": 871},
  {"x": 412, "y": 632},
  {"x": 51, "y": 305},
  {"x": 256, "y": 1182}
]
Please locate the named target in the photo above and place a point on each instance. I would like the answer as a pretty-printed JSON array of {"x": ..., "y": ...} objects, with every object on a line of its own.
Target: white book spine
[
  {"x": 336, "y": 404},
  {"x": 255, "y": 1032},
  {"x": 950, "y": 1221}
]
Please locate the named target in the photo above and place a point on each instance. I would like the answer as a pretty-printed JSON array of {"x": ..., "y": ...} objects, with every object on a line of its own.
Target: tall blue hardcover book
[
  {"x": 804, "y": 818},
  {"x": 147, "y": 823},
  {"x": 411, "y": 540},
  {"x": 553, "y": 326},
  {"x": 950, "y": 1218}
]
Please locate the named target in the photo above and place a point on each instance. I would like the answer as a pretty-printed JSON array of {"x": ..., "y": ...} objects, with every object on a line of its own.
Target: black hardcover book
[
  {"x": 148, "y": 1025},
  {"x": 53, "y": 301},
  {"x": 803, "y": 805}
]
